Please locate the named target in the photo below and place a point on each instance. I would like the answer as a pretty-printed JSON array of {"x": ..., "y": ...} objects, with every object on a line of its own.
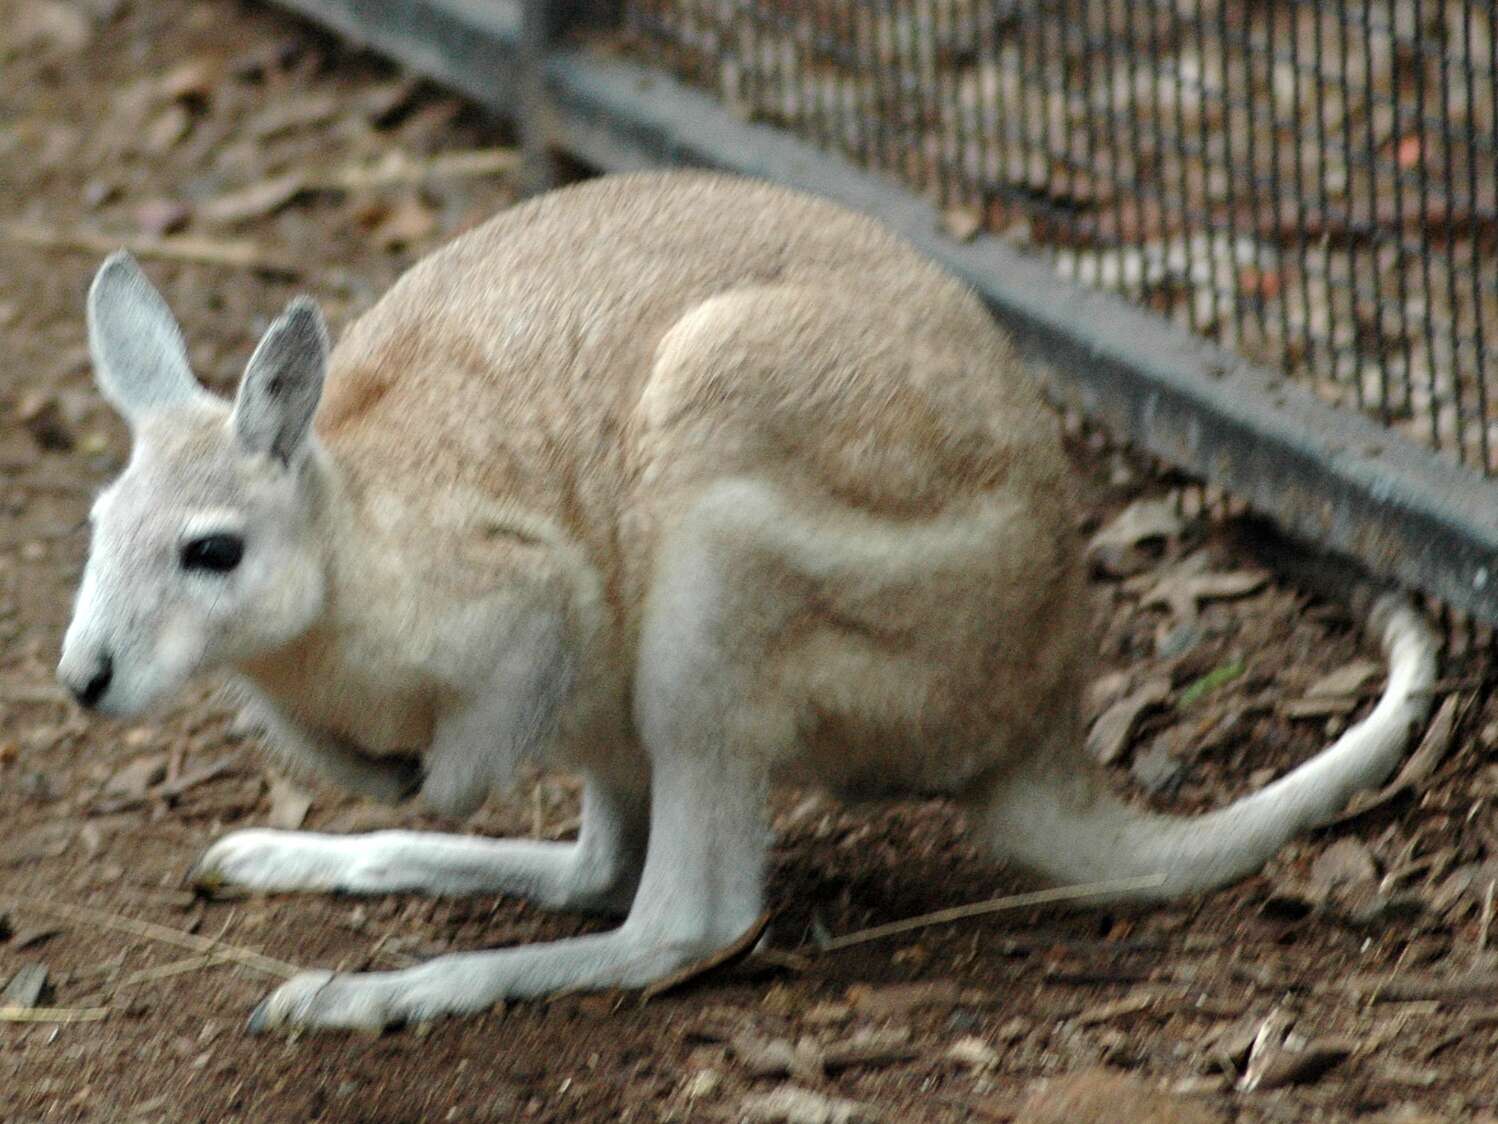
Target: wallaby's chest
[{"x": 359, "y": 696}]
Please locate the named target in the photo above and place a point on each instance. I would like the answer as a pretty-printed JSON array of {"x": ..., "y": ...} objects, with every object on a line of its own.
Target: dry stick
[
  {"x": 996, "y": 905},
  {"x": 152, "y": 931},
  {"x": 235, "y": 254},
  {"x": 1482, "y": 932},
  {"x": 175, "y": 968},
  {"x": 397, "y": 168},
  {"x": 9, "y": 1014}
]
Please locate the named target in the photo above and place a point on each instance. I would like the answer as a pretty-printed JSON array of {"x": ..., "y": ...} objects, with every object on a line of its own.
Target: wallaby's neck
[{"x": 346, "y": 539}]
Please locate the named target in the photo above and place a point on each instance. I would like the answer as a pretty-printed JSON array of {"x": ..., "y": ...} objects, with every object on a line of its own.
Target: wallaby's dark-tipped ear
[
  {"x": 140, "y": 361},
  {"x": 283, "y": 383}
]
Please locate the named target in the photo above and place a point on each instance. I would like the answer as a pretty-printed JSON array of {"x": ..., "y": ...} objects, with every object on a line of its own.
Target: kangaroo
[{"x": 684, "y": 483}]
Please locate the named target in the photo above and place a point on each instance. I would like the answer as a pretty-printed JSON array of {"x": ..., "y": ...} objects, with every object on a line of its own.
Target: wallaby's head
[{"x": 206, "y": 550}]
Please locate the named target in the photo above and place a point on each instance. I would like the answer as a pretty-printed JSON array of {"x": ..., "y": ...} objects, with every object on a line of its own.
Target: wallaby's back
[{"x": 515, "y": 359}]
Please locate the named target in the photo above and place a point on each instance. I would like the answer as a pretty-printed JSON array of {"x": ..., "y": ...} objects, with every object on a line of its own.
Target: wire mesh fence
[{"x": 1313, "y": 184}]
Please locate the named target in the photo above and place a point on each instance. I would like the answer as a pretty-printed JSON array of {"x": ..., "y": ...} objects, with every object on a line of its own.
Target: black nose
[{"x": 94, "y": 689}]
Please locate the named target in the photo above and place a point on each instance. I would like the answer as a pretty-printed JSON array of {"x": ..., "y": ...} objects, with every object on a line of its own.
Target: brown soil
[{"x": 122, "y": 120}]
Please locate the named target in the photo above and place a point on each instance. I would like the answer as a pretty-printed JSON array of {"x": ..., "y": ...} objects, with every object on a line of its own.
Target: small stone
[
  {"x": 974, "y": 1053},
  {"x": 27, "y": 988},
  {"x": 900, "y": 999},
  {"x": 162, "y": 216},
  {"x": 30, "y": 938},
  {"x": 41, "y": 415},
  {"x": 765, "y": 1057},
  {"x": 792, "y": 1105},
  {"x": 1156, "y": 769},
  {"x": 96, "y": 193},
  {"x": 703, "y": 1083},
  {"x": 1108, "y": 1097},
  {"x": 827, "y": 1014},
  {"x": 1346, "y": 862},
  {"x": 167, "y": 128}
]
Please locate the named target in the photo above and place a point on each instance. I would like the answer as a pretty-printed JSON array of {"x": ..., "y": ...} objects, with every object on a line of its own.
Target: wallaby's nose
[{"x": 92, "y": 691}]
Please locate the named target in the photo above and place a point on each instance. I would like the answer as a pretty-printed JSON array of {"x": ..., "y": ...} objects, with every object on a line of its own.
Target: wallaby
[{"x": 685, "y": 483}]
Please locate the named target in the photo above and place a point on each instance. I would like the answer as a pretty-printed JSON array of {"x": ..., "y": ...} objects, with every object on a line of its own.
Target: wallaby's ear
[
  {"x": 140, "y": 361},
  {"x": 283, "y": 382}
]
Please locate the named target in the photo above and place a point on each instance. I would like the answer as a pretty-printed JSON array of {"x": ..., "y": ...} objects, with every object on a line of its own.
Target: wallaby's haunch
[{"x": 685, "y": 483}]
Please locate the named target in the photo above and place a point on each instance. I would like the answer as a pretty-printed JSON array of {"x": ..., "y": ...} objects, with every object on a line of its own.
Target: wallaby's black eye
[{"x": 217, "y": 554}]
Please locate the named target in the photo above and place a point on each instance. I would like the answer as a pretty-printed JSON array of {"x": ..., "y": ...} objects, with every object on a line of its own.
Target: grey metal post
[{"x": 543, "y": 25}]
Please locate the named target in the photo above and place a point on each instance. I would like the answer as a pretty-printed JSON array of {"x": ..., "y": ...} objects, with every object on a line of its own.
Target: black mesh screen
[{"x": 1312, "y": 184}]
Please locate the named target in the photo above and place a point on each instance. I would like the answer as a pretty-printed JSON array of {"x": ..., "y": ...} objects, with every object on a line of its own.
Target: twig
[
  {"x": 33, "y": 694},
  {"x": 202, "y": 251},
  {"x": 1472, "y": 987},
  {"x": 175, "y": 968},
  {"x": 1482, "y": 931},
  {"x": 996, "y": 905},
  {"x": 9, "y": 1014},
  {"x": 151, "y": 931},
  {"x": 398, "y": 168}
]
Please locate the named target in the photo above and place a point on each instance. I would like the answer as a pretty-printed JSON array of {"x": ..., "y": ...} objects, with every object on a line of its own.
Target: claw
[
  {"x": 292, "y": 1005},
  {"x": 259, "y": 1018}
]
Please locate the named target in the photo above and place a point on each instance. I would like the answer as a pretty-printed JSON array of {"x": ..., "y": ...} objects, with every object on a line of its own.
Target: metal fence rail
[
  {"x": 1309, "y": 183},
  {"x": 847, "y": 97}
]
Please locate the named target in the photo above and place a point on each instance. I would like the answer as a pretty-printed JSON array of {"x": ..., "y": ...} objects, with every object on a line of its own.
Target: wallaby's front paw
[{"x": 265, "y": 859}]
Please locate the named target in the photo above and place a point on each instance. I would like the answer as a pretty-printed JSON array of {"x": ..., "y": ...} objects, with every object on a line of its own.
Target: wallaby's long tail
[{"x": 1071, "y": 830}]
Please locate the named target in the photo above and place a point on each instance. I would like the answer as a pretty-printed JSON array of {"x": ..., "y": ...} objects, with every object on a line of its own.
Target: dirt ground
[{"x": 238, "y": 150}]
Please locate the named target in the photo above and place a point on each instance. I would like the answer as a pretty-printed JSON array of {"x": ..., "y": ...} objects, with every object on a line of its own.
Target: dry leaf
[
  {"x": 293, "y": 113},
  {"x": 1106, "y": 1097},
  {"x": 156, "y": 217},
  {"x": 192, "y": 79},
  {"x": 1313, "y": 708},
  {"x": 1104, "y": 691},
  {"x": 1114, "y": 549},
  {"x": 768, "y": 1057},
  {"x": 900, "y": 999},
  {"x": 1421, "y": 763},
  {"x": 867, "y": 1048},
  {"x": 381, "y": 103},
  {"x": 792, "y": 1105},
  {"x": 1110, "y": 734},
  {"x": 40, "y": 414},
  {"x": 974, "y": 1053},
  {"x": 40, "y": 23},
  {"x": 253, "y": 202},
  {"x": 408, "y": 222},
  {"x": 288, "y": 804},
  {"x": 1118, "y": 1008},
  {"x": 27, "y": 988},
  {"x": 1269, "y": 1037},
  {"x": 166, "y": 129},
  {"x": 1345, "y": 680},
  {"x": 962, "y": 223},
  {"x": 1346, "y": 862},
  {"x": 135, "y": 779},
  {"x": 1184, "y": 588},
  {"x": 30, "y": 938},
  {"x": 1280, "y": 1067}
]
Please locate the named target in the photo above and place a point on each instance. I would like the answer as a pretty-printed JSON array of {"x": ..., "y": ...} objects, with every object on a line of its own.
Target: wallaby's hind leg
[
  {"x": 713, "y": 729},
  {"x": 597, "y": 873}
]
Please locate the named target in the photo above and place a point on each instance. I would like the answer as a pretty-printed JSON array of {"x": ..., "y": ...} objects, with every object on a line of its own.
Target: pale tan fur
[{"x": 692, "y": 484}]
